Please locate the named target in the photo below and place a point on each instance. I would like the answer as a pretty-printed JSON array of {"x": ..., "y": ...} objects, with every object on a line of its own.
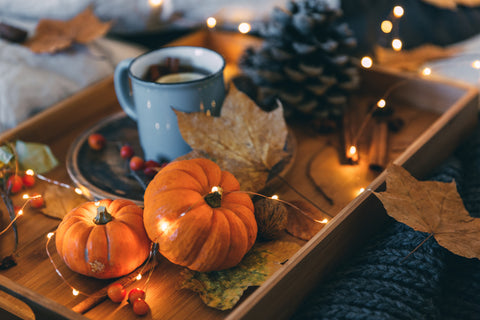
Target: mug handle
[{"x": 122, "y": 88}]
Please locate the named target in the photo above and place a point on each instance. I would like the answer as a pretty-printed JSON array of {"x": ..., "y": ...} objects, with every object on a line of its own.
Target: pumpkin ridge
[
  {"x": 195, "y": 178},
  {"x": 229, "y": 262}
]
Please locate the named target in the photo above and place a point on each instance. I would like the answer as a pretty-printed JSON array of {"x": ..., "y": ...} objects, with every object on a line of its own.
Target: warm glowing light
[
  {"x": 426, "y": 71},
  {"x": 97, "y": 203},
  {"x": 155, "y": 3},
  {"x": 366, "y": 62},
  {"x": 164, "y": 226},
  {"x": 25, "y": 196},
  {"x": 397, "y": 44},
  {"x": 476, "y": 64},
  {"x": 386, "y": 26},
  {"x": 20, "y": 212},
  {"x": 78, "y": 191},
  {"x": 381, "y": 103},
  {"x": 211, "y": 22},
  {"x": 29, "y": 172},
  {"x": 215, "y": 189},
  {"x": 274, "y": 197},
  {"x": 139, "y": 276},
  {"x": 398, "y": 11},
  {"x": 244, "y": 27},
  {"x": 75, "y": 292},
  {"x": 323, "y": 221},
  {"x": 360, "y": 191},
  {"x": 352, "y": 150},
  {"x": 50, "y": 235}
]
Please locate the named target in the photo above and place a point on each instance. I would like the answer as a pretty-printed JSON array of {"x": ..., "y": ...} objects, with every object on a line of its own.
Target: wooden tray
[{"x": 448, "y": 112}]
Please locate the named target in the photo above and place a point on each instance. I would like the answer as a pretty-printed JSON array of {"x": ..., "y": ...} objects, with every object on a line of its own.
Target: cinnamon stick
[{"x": 377, "y": 155}]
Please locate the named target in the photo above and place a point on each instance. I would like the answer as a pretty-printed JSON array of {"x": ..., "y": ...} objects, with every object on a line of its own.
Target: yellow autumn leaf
[{"x": 432, "y": 207}]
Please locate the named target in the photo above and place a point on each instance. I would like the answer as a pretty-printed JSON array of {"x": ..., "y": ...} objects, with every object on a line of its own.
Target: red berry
[
  {"x": 28, "y": 181},
  {"x": 151, "y": 164},
  {"x": 150, "y": 171},
  {"x": 116, "y": 292},
  {"x": 96, "y": 141},
  {"x": 126, "y": 152},
  {"x": 37, "y": 201},
  {"x": 136, "y": 163},
  {"x": 14, "y": 183},
  {"x": 135, "y": 294},
  {"x": 140, "y": 307}
]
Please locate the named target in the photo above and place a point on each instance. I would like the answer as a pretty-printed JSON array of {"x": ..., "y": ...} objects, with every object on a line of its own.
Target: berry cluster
[
  {"x": 15, "y": 183},
  {"x": 136, "y": 297},
  {"x": 97, "y": 142}
]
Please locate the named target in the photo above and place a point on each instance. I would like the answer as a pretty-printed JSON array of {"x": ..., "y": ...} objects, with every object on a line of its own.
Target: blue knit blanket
[{"x": 432, "y": 283}]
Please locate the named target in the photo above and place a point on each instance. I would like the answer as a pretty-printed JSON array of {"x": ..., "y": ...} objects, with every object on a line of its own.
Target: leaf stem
[{"x": 417, "y": 247}]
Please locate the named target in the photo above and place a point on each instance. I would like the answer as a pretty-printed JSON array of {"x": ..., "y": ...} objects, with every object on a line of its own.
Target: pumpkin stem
[
  {"x": 214, "y": 198},
  {"x": 103, "y": 216}
]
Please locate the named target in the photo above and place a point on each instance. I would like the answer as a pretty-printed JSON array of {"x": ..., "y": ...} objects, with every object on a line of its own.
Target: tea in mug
[{"x": 172, "y": 72}]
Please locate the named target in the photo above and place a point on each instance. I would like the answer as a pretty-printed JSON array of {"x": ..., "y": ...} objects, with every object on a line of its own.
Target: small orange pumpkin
[
  {"x": 103, "y": 239},
  {"x": 193, "y": 212}
]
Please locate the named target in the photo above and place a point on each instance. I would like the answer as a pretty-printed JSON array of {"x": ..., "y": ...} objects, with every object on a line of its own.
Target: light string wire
[{"x": 77, "y": 292}]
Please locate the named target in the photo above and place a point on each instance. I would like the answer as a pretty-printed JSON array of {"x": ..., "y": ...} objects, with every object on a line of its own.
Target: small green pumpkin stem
[
  {"x": 214, "y": 198},
  {"x": 103, "y": 216}
]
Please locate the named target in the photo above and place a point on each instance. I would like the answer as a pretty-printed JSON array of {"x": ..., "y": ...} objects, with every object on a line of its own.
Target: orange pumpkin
[
  {"x": 103, "y": 239},
  {"x": 195, "y": 226}
]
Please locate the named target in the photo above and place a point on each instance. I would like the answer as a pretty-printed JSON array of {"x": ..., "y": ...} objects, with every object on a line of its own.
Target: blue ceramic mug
[{"x": 151, "y": 103}]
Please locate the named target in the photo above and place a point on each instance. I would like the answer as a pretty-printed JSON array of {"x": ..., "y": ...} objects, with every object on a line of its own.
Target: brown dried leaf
[
  {"x": 433, "y": 207},
  {"x": 59, "y": 201},
  {"x": 411, "y": 60},
  {"x": 303, "y": 224},
  {"x": 244, "y": 140},
  {"x": 55, "y": 35}
]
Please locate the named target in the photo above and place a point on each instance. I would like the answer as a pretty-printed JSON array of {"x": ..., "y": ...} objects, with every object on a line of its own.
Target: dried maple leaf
[
  {"x": 433, "y": 207},
  {"x": 55, "y": 35},
  {"x": 411, "y": 60},
  {"x": 59, "y": 201},
  {"x": 223, "y": 289},
  {"x": 244, "y": 140},
  {"x": 303, "y": 224}
]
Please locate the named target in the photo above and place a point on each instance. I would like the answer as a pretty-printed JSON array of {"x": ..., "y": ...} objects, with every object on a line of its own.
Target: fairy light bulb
[
  {"x": 360, "y": 191},
  {"x": 381, "y": 103},
  {"x": 19, "y": 212},
  {"x": 29, "y": 172},
  {"x": 366, "y": 62},
  {"x": 324, "y": 221},
  {"x": 352, "y": 150},
  {"x": 274, "y": 197},
  {"x": 426, "y": 71},
  {"x": 50, "y": 235},
  {"x": 155, "y": 3},
  {"x": 75, "y": 292},
  {"x": 244, "y": 27},
  {"x": 215, "y": 189},
  {"x": 97, "y": 203},
  {"x": 398, "y": 11},
  {"x": 397, "y": 44},
  {"x": 386, "y": 26},
  {"x": 78, "y": 191},
  {"x": 211, "y": 22},
  {"x": 476, "y": 64},
  {"x": 139, "y": 277}
]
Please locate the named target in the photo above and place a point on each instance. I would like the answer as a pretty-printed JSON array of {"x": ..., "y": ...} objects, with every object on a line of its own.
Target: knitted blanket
[{"x": 432, "y": 283}]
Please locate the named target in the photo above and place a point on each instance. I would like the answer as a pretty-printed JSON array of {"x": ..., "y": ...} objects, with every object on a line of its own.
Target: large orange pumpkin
[
  {"x": 103, "y": 239},
  {"x": 195, "y": 226}
]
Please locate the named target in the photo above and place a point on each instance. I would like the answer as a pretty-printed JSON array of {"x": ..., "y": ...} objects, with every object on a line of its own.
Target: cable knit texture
[{"x": 432, "y": 283}]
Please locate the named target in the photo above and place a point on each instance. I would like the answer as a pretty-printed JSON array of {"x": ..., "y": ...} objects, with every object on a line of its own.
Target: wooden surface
[{"x": 36, "y": 282}]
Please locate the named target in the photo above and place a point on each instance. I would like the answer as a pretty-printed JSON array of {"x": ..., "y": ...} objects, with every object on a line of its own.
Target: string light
[
  {"x": 55, "y": 182},
  {"x": 274, "y": 197},
  {"x": 426, "y": 71},
  {"x": 397, "y": 44},
  {"x": 211, "y": 22},
  {"x": 381, "y": 103},
  {"x": 75, "y": 292},
  {"x": 398, "y": 11},
  {"x": 366, "y": 62},
  {"x": 360, "y": 191},
  {"x": 476, "y": 64},
  {"x": 386, "y": 26},
  {"x": 138, "y": 277},
  {"x": 244, "y": 27},
  {"x": 20, "y": 211},
  {"x": 155, "y": 3},
  {"x": 352, "y": 153}
]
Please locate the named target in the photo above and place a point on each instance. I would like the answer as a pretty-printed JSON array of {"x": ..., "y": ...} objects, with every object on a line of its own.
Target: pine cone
[{"x": 304, "y": 61}]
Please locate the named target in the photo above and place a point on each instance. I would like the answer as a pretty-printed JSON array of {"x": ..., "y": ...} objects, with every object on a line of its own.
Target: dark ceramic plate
[{"x": 104, "y": 174}]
